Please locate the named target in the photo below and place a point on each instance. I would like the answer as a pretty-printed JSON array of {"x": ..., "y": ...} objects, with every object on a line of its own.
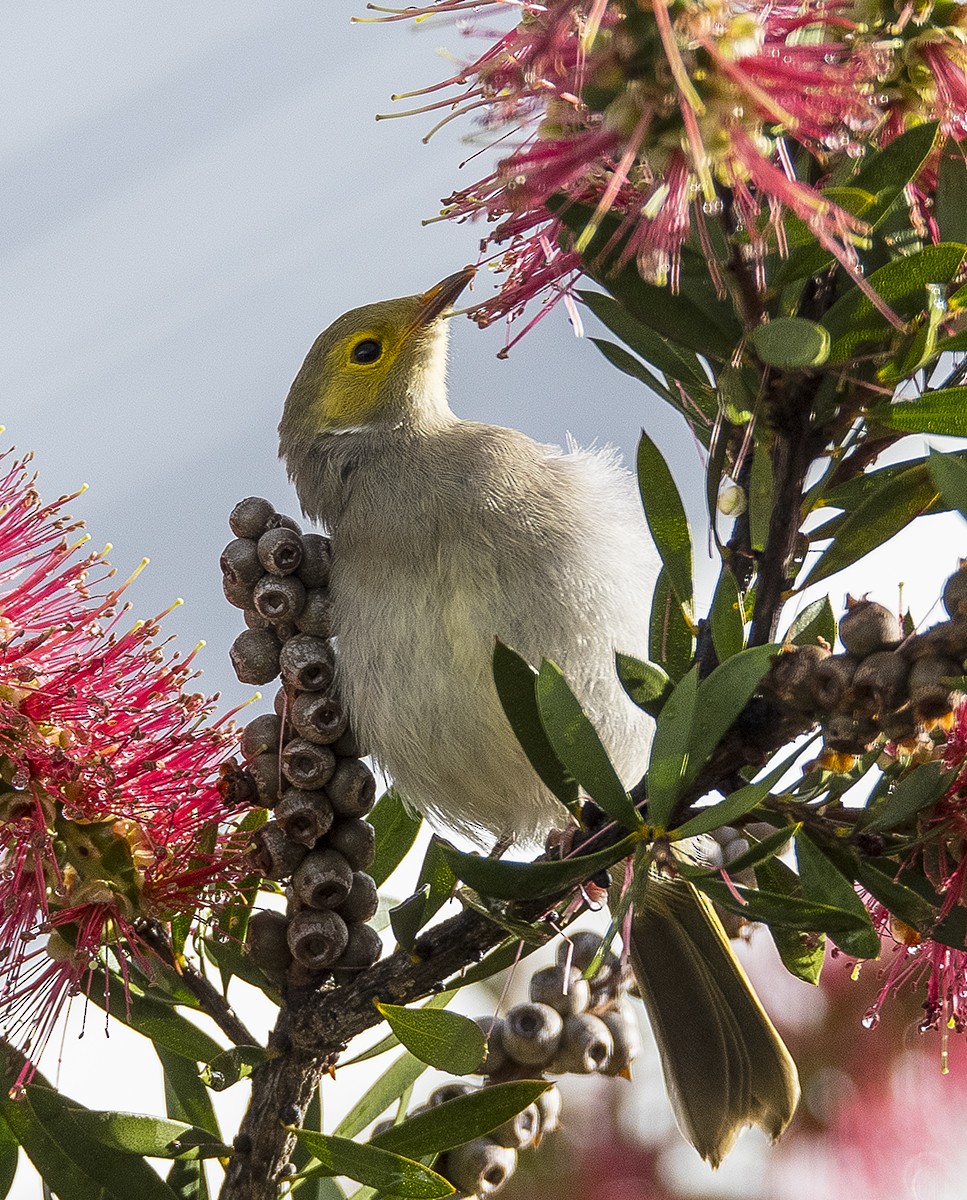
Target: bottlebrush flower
[
  {"x": 657, "y": 116},
  {"x": 110, "y": 810}
]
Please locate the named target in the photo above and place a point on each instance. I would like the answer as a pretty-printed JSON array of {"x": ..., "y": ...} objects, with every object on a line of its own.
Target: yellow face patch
[{"x": 355, "y": 373}]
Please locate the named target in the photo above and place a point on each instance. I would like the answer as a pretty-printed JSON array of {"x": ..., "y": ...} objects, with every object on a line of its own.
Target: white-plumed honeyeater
[{"x": 448, "y": 533}]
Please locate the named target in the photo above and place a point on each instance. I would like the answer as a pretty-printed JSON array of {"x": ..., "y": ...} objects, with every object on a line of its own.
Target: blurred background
[{"x": 188, "y": 194}]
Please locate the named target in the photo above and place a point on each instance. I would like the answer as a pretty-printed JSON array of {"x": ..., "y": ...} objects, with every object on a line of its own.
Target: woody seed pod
[
  {"x": 495, "y": 1055},
  {"x": 625, "y": 1033},
  {"x": 262, "y": 733},
  {"x": 567, "y": 993},
  {"x": 255, "y": 656},
  {"x": 363, "y": 948},
  {"x": 319, "y": 717},
  {"x": 832, "y": 679},
  {"x": 280, "y": 550},
  {"x": 240, "y": 563},
  {"x": 449, "y": 1091},
  {"x": 532, "y": 1033},
  {"x": 250, "y": 517},
  {"x": 316, "y": 560},
  {"x": 845, "y": 733},
  {"x": 316, "y": 615},
  {"x": 791, "y": 674},
  {"x": 265, "y": 772},
  {"x": 322, "y": 880},
  {"x": 305, "y": 815},
  {"x": 266, "y": 943},
  {"x": 307, "y": 663},
  {"x": 955, "y": 591},
  {"x": 275, "y": 854},
  {"x": 362, "y": 902},
  {"x": 586, "y": 1046},
  {"x": 356, "y": 840},
  {"x": 549, "y": 1105},
  {"x": 316, "y": 938},
  {"x": 866, "y": 627},
  {"x": 279, "y": 598},
  {"x": 479, "y": 1168},
  {"x": 930, "y": 695},
  {"x": 307, "y": 765},
  {"x": 880, "y": 682},
  {"x": 520, "y": 1131},
  {"x": 352, "y": 788}
]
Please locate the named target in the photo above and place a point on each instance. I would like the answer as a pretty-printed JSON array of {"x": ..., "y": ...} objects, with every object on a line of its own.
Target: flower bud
[
  {"x": 316, "y": 615},
  {"x": 732, "y": 500},
  {"x": 532, "y": 1034},
  {"x": 250, "y": 517},
  {"x": 566, "y": 992},
  {"x": 866, "y": 627},
  {"x": 316, "y": 938},
  {"x": 319, "y": 717},
  {"x": 240, "y": 563},
  {"x": 622, "y": 1023},
  {"x": 275, "y": 855},
  {"x": 520, "y": 1131},
  {"x": 356, "y": 840},
  {"x": 362, "y": 903},
  {"x": 266, "y": 775},
  {"x": 352, "y": 788},
  {"x": 306, "y": 765},
  {"x": 479, "y": 1168},
  {"x": 262, "y": 733},
  {"x": 280, "y": 550},
  {"x": 279, "y": 598},
  {"x": 316, "y": 560},
  {"x": 304, "y": 815},
  {"x": 322, "y": 880},
  {"x": 585, "y": 1046},
  {"x": 266, "y": 942},
  {"x": 307, "y": 663},
  {"x": 255, "y": 656}
]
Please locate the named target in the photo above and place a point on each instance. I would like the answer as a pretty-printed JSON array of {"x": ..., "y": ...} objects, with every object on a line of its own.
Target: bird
[{"x": 447, "y": 534}]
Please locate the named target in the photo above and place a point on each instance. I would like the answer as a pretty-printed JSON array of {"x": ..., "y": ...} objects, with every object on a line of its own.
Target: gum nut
[
  {"x": 266, "y": 942},
  {"x": 356, "y": 840},
  {"x": 280, "y": 550},
  {"x": 364, "y": 948},
  {"x": 255, "y": 656},
  {"x": 323, "y": 879},
  {"x": 316, "y": 938},
  {"x": 255, "y": 620},
  {"x": 281, "y": 703},
  {"x": 352, "y": 788},
  {"x": 549, "y": 1104},
  {"x": 319, "y": 717},
  {"x": 480, "y": 1167},
  {"x": 866, "y": 627},
  {"x": 265, "y": 773},
  {"x": 306, "y": 816},
  {"x": 307, "y": 663},
  {"x": 955, "y": 591},
  {"x": 520, "y": 1131},
  {"x": 563, "y": 990},
  {"x": 581, "y": 946},
  {"x": 880, "y": 682},
  {"x": 845, "y": 733},
  {"x": 832, "y": 679},
  {"x": 283, "y": 521},
  {"x": 495, "y": 1055},
  {"x": 734, "y": 850},
  {"x": 279, "y": 598},
  {"x": 250, "y": 517},
  {"x": 306, "y": 765},
  {"x": 275, "y": 855},
  {"x": 239, "y": 562},
  {"x": 347, "y": 746},
  {"x": 316, "y": 615},
  {"x": 362, "y": 903},
  {"x": 532, "y": 1034},
  {"x": 239, "y": 595},
  {"x": 381, "y": 1127},
  {"x": 262, "y": 733},
  {"x": 585, "y": 1046},
  {"x": 449, "y": 1091},
  {"x": 625, "y": 1031},
  {"x": 930, "y": 693},
  {"x": 316, "y": 560},
  {"x": 901, "y": 725}
]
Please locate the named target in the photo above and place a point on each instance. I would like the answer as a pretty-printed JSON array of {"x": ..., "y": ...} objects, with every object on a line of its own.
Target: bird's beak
[{"x": 440, "y": 297}]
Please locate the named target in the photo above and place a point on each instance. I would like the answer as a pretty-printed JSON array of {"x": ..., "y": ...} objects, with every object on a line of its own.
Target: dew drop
[{"x": 871, "y": 1019}]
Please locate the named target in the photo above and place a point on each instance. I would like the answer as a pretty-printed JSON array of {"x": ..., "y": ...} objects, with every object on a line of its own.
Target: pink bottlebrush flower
[{"x": 111, "y": 812}]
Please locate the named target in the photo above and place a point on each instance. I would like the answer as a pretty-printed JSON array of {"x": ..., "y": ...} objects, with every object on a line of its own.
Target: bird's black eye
[{"x": 366, "y": 351}]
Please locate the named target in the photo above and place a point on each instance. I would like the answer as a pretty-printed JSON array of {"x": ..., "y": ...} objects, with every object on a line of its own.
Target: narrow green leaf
[
  {"x": 669, "y": 637},
  {"x": 949, "y": 475},
  {"x": 460, "y": 1120},
  {"x": 576, "y": 744},
  {"x": 147, "y": 1136},
  {"x": 389, "y": 1173},
  {"x": 401, "y": 1074},
  {"x": 816, "y": 621},
  {"x": 152, "y": 1018},
  {"x": 516, "y": 683},
  {"x": 887, "y": 172},
  {"x": 186, "y": 1097},
  {"x": 802, "y": 954},
  {"x": 58, "y": 1170},
  {"x": 761, "y": 491},
  {"x": 904, "y": 902},
  {"x": 666, "y": 518},
  {"x": 774, "y": 909},
  {"x": 439, "y": 1038},
  {"x": 940, "y": 412},
  {"x": 619, "y": 357},
  {"x": 921, "y": 788},
  {"x": 501, "y": 880},
  {"x": 408, "y": 917},
  {"x": 738, "y": 804},
  {"x": 791, "y": 343},
  {"x": 436, "y": 874},
  {"x": 646, "y": 684},
  {"x": 950, "y": 200},
  {"x": 726, "y": 617},
  {"x": 669, "y": 750},
  {"x": 396, "y": 829},
  {"x": 822, "y": 881},
  {"x": 721, "y": 698},
  {"x": 437, "y": 1000},
  {"x": 661, "y": 353},
  {"x": 891, "y": 508},
  {"x": 231, "y": 1066},
  {"x": 9, "y": 1158}
]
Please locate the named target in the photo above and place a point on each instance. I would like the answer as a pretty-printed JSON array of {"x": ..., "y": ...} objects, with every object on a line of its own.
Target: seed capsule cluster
[
  {"x": 570, "y": 1025},
  {"x": 302, "y": 759},
  {"x": 885, "y": 685}
]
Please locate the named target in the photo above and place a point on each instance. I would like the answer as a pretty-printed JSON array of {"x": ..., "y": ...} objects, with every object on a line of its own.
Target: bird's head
[{"x": 381, "y": 364}]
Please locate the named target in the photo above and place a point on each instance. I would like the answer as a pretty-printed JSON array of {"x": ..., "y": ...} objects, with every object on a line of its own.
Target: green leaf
[
  {"x": 940, "y": 412},
  {"x": 460, "y": 1120},
  {"x": 738, "y": 804},
  {"x": 152, "y": 1018},
  {"x": 761, "y": 490},
  {"x": 394, "y": 1081},
  {"x": 726, "y": 617},
  {"x": 898, "y": 501},
  {"x": 501, "y": 880},
  {"x": 721, "y": 698},
  {"x": 669, "y": 750},
  {"x": 619, "y": 357},
  {"x": 186, "y": 1097},
  {"x": 436, "y": 874},
  {"x": 817, "y": 620},
  {"x": 904, "y": 902},
  {"x": 408, "y": 917},
  {"x": 516, "y": 683},
  {"x": 949, "y": 475},
  {"x": 666, "y": 518},
  {"x": 773, "y": 908},
  {"x": 822, "y": 881},
  {"x": 437, "y": 1000},
  {"x": 670, "y": 636},
  {"x": 576, "y": 744},
  {"x": 147, "y": 1136},
  {"x": 388, "y": 1173},
  {"x": 802, "y": 954},
  {"x": 887, "y": 172},
  {"x": 661, "y": 353},
  {"x": 760, "y": 851},
  {"x": 439, "y": 1038},
  {"x": 231, "y": 1066},
  {"x": 791, "y": 343},
  {"x": 647, "y": 685},
  {"x": 396, "y": 829},
  {"x": 9, "y": 1158},
  {"x": 921, "y": 788},
  {"x": 950, "y": 199}
]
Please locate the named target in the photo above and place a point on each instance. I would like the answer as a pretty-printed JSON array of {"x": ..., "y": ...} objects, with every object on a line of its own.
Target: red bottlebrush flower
[
  {"x": 110, "y": 813},
  {"x": 651, "y": 114}
]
